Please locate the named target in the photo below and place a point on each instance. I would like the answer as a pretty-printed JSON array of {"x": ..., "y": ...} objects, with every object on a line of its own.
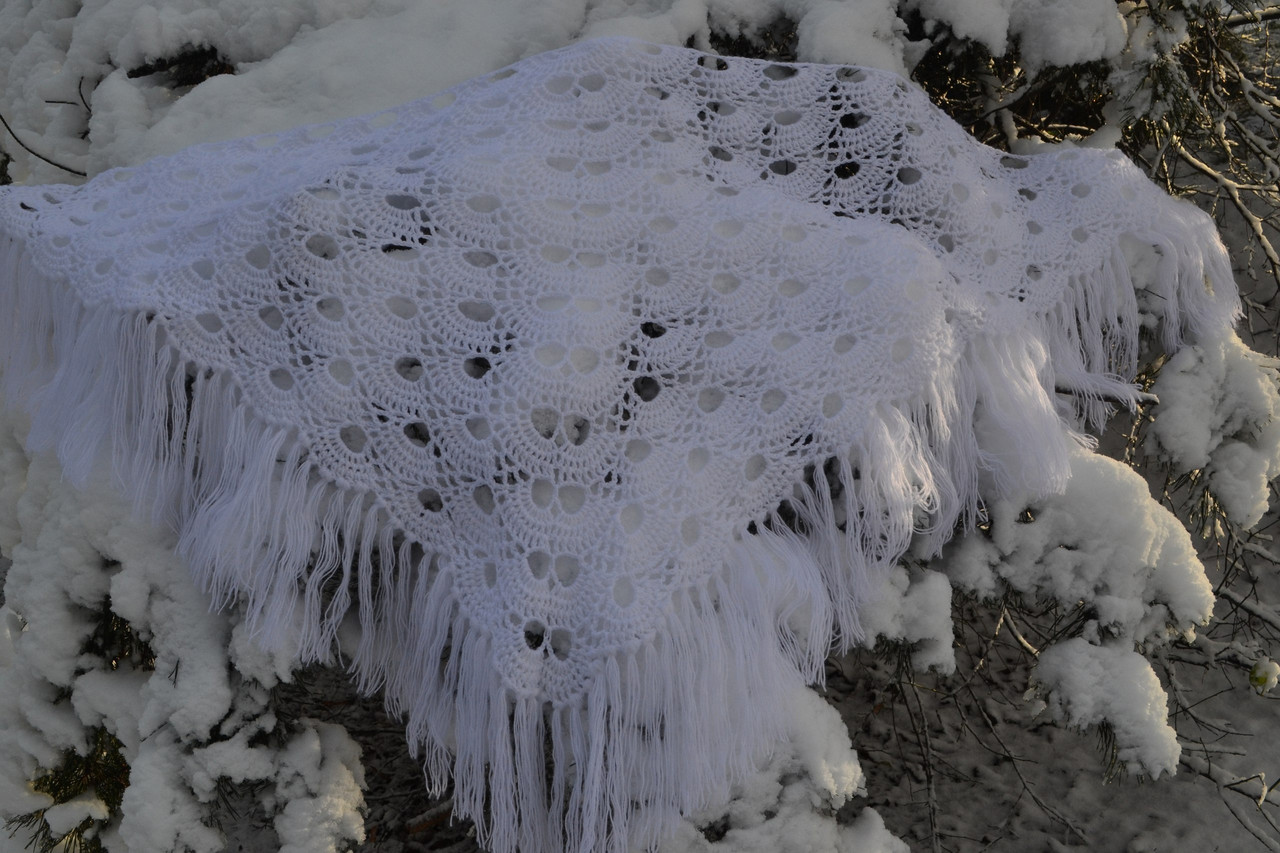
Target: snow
[
  {"x": 983, "y": 21},
  {"x": 159, "y": 811},
  {"x": 1218, "y": 407},
  {"x": 202, "y": 718},
  {"x": 916, "y": 609},
  {"x": 787, "y": 806},
  {"x": 320, "y": 779},
  {"x": 65, "y": 81},
  {"x": 1086, "y": 685},
  {"x": 195, "y": 721},
  {"x": 1265, "y": 675},
  {"x": 861, "y": 32},
  {"x": 64, "y": 817},
  {"x": 1103, "y": 540},
  {"x": 1066, "y": 32}
]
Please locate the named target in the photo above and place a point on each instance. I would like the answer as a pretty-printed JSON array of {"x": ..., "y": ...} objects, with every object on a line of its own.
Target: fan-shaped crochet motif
[{"x": 596, "y": 388}]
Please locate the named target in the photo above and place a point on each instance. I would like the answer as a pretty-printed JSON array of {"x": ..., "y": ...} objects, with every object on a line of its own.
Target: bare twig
[
  {"x": 1253, "y": 16},
  {"x": 1026, "y": 785},
  {"x": 37, "y": 155},
  {"x": 921, "y": 728},
  {"x": 1266, "y": 614},
  {"x": 1013, "y": 628}
]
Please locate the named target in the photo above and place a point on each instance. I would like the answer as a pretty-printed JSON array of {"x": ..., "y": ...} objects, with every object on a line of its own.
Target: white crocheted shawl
[{"x": 595, "y": 389}]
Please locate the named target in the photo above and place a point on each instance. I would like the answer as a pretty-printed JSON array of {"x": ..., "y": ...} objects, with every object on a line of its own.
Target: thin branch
[
  {"x": 1250, "y": 787},
  {"x": 926, "y": 749},
  {"x": 1022, "y": 641},
  {"x": 1255, "y": 16},
  {"x": 39, "y": 156},
  {"x": 1026, "y": 786},
  {"x": 1266, "y": 614}
]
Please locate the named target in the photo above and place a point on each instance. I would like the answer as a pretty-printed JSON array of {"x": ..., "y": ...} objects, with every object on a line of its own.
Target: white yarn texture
[{"x": 594, "y": 390}]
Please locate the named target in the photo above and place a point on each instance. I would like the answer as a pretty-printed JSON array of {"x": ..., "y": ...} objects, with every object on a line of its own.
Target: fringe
[{"x": 617, "y": 767}]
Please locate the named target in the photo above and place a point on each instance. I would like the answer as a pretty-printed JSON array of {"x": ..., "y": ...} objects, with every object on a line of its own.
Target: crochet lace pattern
[{"x": 598, "y": 391}]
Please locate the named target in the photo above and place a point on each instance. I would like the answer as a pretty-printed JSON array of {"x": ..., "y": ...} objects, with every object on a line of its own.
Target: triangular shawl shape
[{"x": 597, "y": 389}]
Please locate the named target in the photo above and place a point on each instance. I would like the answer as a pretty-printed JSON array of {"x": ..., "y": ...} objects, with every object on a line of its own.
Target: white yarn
[{"x": 523, "y": 375}]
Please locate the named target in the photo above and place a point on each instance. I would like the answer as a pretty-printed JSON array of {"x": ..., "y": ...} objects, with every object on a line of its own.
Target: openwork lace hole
[
  {"x": 409, "y": 368},
  {"x": 417, "y": 433},
  {"x": 354, "y": 438},
  {"x": 330, "y": 308},
  {"x": 431, "y": 500},
  {"x": 211, "y": 323},
  {"x": 479, "y": 312},
  {"x": 653, "y": 330},
  {"x": 342, "y": 371},
  {"x": 624, "y": 593},
  {"x": 567, "y": 568},
  {"x": 281, "y": 378},
  {"x": 725, "y": 283},
  {"x": 577, "y": 429},
  {"x": 561, "y": 643},
  {"x": 322, "y": 246},
  {"x": 772, "y": 400},
  {"x": 847, "y": 170},
  {"x": 271, "y": 317},
  {"x": 572, "y": 498},
  {"x": 402, "y": 307},
  {"x": 637, "y": 450},
  {"x": 539, "y": 563},
  {"x": 259, "y": 257},
  {"x": 480, "y": 259},
  {"x": 646, "y": 388},
  {"x": 545, "y": 421},
  {"x": 403, "y": 202}
]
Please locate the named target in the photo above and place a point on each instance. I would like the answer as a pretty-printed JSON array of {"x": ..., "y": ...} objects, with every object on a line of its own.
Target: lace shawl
[{"x": 597, "y": 391}]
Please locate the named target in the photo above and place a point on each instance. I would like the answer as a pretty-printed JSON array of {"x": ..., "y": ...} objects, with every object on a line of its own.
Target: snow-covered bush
[
  {"x": 108, "y": 650},
  {"x": 131, "y": 711}
]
